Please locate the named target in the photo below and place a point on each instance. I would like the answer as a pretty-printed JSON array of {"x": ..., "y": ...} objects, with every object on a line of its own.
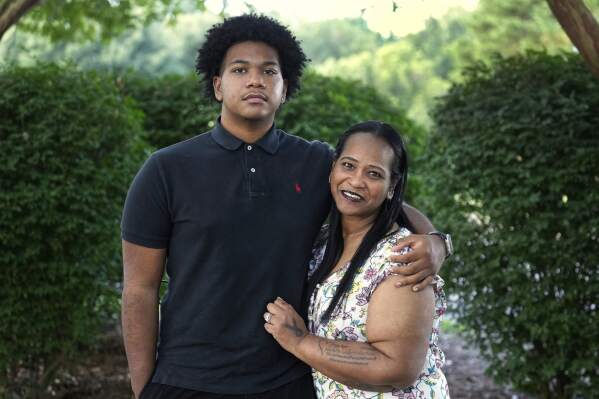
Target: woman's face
[{"x": 361, "y": 176}]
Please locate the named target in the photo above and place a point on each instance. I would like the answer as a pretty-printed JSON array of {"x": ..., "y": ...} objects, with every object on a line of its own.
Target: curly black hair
[{"x": 256, "y": 28}]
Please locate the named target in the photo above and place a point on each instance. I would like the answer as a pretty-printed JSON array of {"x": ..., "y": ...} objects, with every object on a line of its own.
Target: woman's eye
[
  {"x": 270, "y": 72},
  {"x": 347, "y": 165},
  {"x": 375, "y": 174}
]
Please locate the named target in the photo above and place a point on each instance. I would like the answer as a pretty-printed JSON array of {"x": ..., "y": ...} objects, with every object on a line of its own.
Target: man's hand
[
  {"x": 419, "y": 266},
  {"x": 284, "y": 324}
]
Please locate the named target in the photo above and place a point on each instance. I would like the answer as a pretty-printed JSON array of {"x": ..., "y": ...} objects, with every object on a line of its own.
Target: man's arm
[
  {"x": 142, "y": 273},
  {"x": 427, "y": 254},
  {"x": 419, "y": 221}
]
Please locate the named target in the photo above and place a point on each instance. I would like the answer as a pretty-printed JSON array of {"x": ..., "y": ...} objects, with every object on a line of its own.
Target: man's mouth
[
  {"x": 255, "y": 97},
  {"x": 352, "y": 196}
]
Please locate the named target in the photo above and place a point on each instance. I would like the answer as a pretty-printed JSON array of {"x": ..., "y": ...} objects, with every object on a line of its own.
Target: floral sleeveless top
[{"x": 348, "y": 323}]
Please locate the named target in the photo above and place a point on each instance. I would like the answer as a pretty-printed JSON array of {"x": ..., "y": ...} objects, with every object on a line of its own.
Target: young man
[{"x": 233, "y": 214}]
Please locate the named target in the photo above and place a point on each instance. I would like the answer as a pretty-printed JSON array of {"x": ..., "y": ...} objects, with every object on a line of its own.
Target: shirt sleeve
[
  {"x": 146, "y": 217},
  {"x": 378, "y": 266}
]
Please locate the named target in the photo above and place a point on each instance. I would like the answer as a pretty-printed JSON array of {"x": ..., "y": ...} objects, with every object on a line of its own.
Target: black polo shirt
[{"x": 238, "y": 221}]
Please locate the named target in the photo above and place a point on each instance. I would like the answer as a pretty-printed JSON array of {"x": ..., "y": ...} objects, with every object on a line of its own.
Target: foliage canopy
[{"x": 513, "y": 172}]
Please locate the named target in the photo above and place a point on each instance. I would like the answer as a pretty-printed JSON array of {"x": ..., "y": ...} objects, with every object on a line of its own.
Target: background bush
[
  {"x": 70, "y": 144},
  {"x": 69, "y": 147},
  {"x": 325, "y": 107},
  {"x": 514, "y": 174}
]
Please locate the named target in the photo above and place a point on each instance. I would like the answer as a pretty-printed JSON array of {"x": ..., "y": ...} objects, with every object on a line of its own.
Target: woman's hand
[{"x": 284, "y": 324}]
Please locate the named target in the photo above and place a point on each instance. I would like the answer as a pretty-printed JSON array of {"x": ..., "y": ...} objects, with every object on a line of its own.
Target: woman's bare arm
[{"x": 398, "y": 327}]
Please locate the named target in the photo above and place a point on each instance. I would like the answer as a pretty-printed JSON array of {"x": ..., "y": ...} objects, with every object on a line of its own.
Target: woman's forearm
[{"x": 357, "y": 364}]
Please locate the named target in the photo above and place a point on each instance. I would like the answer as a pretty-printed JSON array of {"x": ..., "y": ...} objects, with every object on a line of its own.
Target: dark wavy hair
[
  {"x": 255, "y": 28},
  {"x": 391, "y": 211}
]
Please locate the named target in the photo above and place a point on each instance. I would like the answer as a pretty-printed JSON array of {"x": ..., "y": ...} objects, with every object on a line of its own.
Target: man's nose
[{"x": 255, "y": 79}]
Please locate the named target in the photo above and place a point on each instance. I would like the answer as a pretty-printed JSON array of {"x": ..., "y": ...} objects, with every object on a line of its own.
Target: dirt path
[
  {"x": 464, "y": 369},
  {"x": 103, "y": 375}
]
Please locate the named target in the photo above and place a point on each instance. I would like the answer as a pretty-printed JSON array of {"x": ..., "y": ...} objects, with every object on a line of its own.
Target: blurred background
[{"x": 499, "y": 104}]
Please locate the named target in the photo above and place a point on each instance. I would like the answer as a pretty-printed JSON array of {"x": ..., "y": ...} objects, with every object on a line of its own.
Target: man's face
[{"x": 250, "y": 85}]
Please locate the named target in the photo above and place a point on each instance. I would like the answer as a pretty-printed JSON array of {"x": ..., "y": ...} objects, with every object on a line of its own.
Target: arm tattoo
[
  {"x": 295, "y": 329},
  {"x": 372, "y": 388},
  {"x": 343, "y": 353}
]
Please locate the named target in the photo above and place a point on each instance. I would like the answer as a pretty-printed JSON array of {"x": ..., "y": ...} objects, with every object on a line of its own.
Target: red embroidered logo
[{"x": 298, "y": 188}]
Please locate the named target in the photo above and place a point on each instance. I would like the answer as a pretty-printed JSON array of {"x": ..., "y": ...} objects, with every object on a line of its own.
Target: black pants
[{"x": 302, "y": 388}]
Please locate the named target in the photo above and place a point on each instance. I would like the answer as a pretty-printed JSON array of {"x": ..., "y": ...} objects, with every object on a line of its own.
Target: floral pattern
[{"x": 348, "y": 322}]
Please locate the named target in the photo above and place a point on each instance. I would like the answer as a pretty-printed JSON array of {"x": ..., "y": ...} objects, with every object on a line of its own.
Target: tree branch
[
  {"x": 581, "y": 27},
  {"x": 11, "y": 11}
]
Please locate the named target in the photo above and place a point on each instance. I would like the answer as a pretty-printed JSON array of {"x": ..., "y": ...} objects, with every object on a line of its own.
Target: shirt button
[
  {"x": 253, "y": 170},
  {"x": 249, "y": 148}
]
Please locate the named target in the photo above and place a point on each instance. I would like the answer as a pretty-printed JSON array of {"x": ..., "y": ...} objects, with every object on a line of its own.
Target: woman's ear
[{"x": 332, "y": 167}]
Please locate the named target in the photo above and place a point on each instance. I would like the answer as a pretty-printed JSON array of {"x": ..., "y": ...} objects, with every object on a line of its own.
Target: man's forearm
[
  {"x": 140, "y": 330},
  {"x": 418, "y": 220}
]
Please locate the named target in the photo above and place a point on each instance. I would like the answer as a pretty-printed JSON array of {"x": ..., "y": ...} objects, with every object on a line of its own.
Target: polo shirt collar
[{"x": 269, "y": 142}]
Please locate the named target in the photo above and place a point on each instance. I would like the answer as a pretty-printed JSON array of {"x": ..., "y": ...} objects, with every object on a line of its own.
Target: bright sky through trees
[{"x": 409, "y": 16}]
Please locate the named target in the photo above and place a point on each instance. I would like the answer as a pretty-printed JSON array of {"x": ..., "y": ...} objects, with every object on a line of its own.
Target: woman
[{"x": 367, "y": 338}]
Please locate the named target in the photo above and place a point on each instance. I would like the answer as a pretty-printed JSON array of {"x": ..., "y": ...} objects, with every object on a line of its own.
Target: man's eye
[
  {"x": 270, "y": 71},
  {"x": 238, "y": 70}
]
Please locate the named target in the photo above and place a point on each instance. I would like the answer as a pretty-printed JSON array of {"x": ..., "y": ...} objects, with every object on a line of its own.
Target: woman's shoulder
[{"x": 386, "y": 244}]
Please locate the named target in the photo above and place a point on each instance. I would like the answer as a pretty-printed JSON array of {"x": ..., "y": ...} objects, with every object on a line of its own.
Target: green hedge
[
  {"x": 175, "y": 110},
  {"x": 514, "y": 174},
  {"x": 69, "y": 147},
  {"x": 70, "y": 144}
]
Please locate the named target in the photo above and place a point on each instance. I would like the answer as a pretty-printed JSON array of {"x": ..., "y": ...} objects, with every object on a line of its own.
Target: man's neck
[{"x": 248, "y": 131}]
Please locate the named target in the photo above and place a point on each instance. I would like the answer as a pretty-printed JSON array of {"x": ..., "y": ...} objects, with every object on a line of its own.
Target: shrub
[
  {"x": 175, "y": 107},
  {"x": 69, "y": 147},
  {"x": 513, "y": 172},
  {"x": 175, "y": 110}
]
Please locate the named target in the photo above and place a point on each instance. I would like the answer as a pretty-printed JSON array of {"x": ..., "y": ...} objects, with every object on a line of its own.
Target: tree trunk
[
  {"x": 11, "y": 11},
  {"x": 581, "y": 27}
]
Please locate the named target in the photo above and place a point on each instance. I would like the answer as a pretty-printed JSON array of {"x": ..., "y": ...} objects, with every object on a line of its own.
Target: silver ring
[{"x": 267, "y": 317}]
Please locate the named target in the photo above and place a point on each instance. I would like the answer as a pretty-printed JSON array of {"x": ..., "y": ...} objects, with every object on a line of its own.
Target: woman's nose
[{"x": 356, "y": 180}]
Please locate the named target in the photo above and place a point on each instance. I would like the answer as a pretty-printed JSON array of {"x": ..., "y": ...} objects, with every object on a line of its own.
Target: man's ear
[
  {"x": 284, "y": 96},
  {"x": 216, "y": 84}
]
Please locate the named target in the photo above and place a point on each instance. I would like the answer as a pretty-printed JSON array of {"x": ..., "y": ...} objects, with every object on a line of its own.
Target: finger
[
  {"x": 413, "y": 279},
  {"x": 409, "y": 269},
  {"x": 423, "y": 284},
  {"x": 268, "y": 328},
  {"x": 280, "y": 301},
  {"x": 403, "y": 243},
  {"x": 408, "y": 257},
  {"x": 273, "y": 308}
]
